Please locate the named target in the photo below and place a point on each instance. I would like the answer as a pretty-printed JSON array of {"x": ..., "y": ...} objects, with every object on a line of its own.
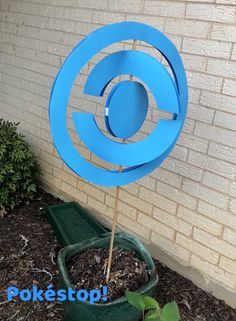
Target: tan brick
[
  {"x": 85, "y": 28},
  {"x": 222, "y": 68},
  {"x": 190, "y": 28},
  {"x": 228, "y": 265},
  {"x": 200, "y": 221},
  {"x": 198, "y": 249},
  {"x": 71, "y": 3},
  {"x": 205, "y": 81},
  {"x": 78, "y": 15},
  {"x": 170, "y": 247},
  {"x": 232, "y": 205},
  {"x": 216, "y": 134},
  {"x": 101, "y": 4},
  {"x": 148, "y": 182},
  {"x": 214, "y": 243},
  {"x": 218, "y": 101},
  {"x": 232, "y": 188},
  {"x": 192, "y": 142},
  {"x": 223, "y": 152},
  {"x": 205, "y": 47},
  {"x": 226, "y": 1},
  {"x": 45, "y": 166},
  {"x": 217, "y": 182},
  {"x": 229, "y": 87},
  {"x": 72, "y": 40},
  {"x": 217, "y": 214},
  {"x": 211, "y": 12},
  {"x": 194, "y": 93},
  {"x": 132, "y": 188},
  {"x": 101, "y": 207},
  {"x": 230, "y": 236},
  {"x": 122, "y": 207},
  {"x": 224, "y": 32},
  {"x": 51, "y": 180},
  {"x": 50, "y": 11},
  {"x": 233, "y": 56},
  {"x": 206, "y": 194},
  {"x": 91, "y": 190},
  {"x": 157, "y": 226},
  {"x": 133, "y": 6},
  {"x": 172, "y": 221},
  {"x": 163, "y": 9},
  {"x": 212, "y": 164},
  {"x": 188, "y": 126},
  {"x": 212, "y": 271},
  {"x": 135, "y": 202},
  {"x": 133, "y": 226},
  {"x": 168, "y": 177},
  {"x": 203, "y": 114},
  {"x": 74, "y": 192},
  {"x": 45, "y": 146},
  {"x": 103, "y": 17},
  {"x": 72, "y": 180},
  {"x": 58, "y": 49},
  {"x": 157, "y": 200},
  {"x": 177, "y": 195},
  {"x": 180, "y": 153},
  {"x": 50, "y": 35},
  {"x": 225, "y": 120},
  {"x": 63, "y": 25},
  {"x": 194, "y": 62}
]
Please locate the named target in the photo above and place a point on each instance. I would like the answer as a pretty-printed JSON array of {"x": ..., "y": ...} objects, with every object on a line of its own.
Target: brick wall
[{"x": 185, "y": 211}]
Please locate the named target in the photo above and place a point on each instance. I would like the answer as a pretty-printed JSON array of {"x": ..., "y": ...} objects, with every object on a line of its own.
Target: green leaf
[
  {"x": 31, "y": 188},
  {"x": 150, "y": 303},
  {"x": 152, "y": 315},
  {"x": 135, "y": 299},
  {"x": 170, "y": 312}
]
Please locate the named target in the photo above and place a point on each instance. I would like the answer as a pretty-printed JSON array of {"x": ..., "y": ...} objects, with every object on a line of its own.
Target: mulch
[
  {"x": 194, "y": 303},
  {"x": 28, "y": 251}
]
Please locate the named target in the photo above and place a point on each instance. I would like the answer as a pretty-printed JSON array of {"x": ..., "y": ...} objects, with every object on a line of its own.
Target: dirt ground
[
  {"x": 28, "y": 251},
  {"x": 88, "y": 271}
]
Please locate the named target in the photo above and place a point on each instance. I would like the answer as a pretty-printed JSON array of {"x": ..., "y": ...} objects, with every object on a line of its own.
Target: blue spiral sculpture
[{"x": 126, "y": 106}]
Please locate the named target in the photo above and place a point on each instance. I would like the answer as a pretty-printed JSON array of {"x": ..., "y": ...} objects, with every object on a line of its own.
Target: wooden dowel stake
[
  {"x": 108, "y": 270},
  {"x": 113, "y": 230}
]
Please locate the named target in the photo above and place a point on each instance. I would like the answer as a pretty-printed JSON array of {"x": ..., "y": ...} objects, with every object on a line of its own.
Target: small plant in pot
[{"x": 150, "y": 308}]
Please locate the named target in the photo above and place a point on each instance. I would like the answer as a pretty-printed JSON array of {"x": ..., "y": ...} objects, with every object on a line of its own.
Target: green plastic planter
[
  {"x": 72, "y": 223},
  {"x": 119, "y": 309}
]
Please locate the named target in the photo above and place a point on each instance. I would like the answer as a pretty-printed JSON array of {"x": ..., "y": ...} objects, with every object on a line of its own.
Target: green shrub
[{"x": 18, "y": 167}]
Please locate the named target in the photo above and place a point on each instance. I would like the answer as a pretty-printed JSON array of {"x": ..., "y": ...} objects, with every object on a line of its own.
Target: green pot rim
[{"x": 67, "y": 252}]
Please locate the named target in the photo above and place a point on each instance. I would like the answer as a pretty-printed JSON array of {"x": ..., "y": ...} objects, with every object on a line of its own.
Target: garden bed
[{"x": 28, "y": 252}]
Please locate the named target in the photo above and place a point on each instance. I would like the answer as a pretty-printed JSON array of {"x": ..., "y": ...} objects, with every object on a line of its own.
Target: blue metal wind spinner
[{"x": 126, "y": 106}]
